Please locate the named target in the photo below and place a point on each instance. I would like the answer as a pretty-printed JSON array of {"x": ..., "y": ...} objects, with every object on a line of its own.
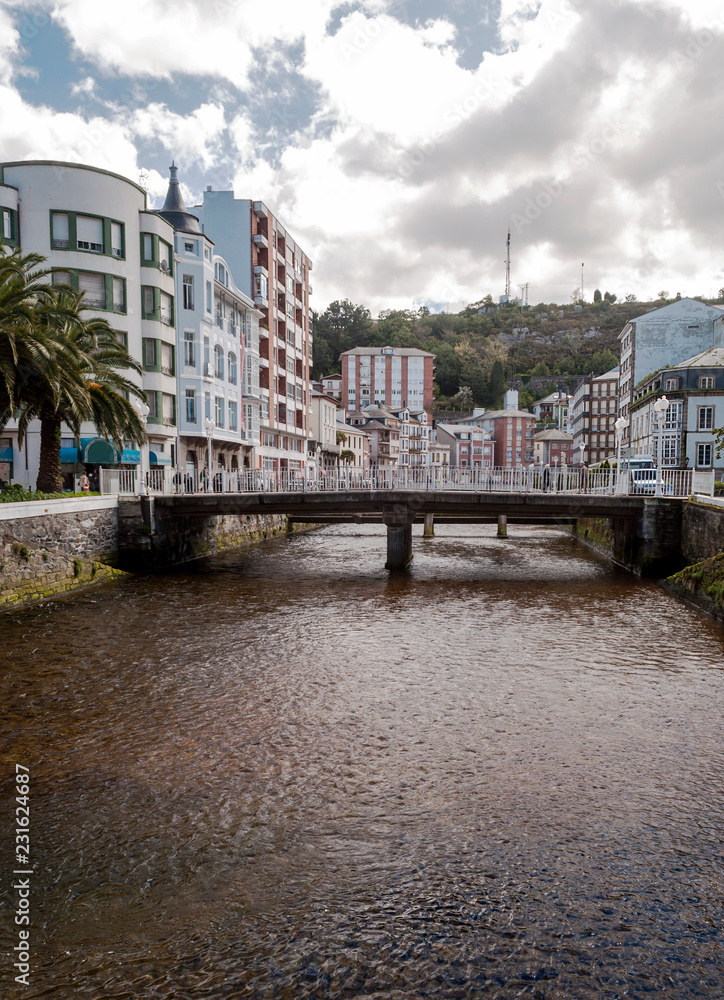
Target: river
[{"x": 285, "y": 773}]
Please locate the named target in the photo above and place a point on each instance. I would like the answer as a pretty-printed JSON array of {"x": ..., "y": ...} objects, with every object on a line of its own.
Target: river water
[{"x": 284, "y": 773}]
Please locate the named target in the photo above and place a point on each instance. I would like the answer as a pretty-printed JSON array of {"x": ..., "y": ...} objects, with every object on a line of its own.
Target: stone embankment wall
[
  {"x": 48, "y": 547},
  {"x": 154, "y": 538},
  {"x": 701, "y": 582}
]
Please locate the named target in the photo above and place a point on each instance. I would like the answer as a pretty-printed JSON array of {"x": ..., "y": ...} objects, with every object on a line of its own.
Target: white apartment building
[
  {"x": 695, "y": 392},
  {"x": 356, "y": 440},
  {"x": 383, "y": 428},
  {"x": 415, "y": 433},
  {"x": 214, "y": 320},
  {"x": 323, "y": 444},
  {"x": 97, "y": 234},
  {"x": 269, "y": 267},
  {"x": 470, "y": 445},
  {"x": 665, "y": 336}
]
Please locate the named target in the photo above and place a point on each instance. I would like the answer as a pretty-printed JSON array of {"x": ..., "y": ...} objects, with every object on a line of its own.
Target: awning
[
  {"x": 159, "y": 458},
  {"x": 99, "y": 452},
  {"x": 6, "y": 454},
  {"x": 131, "y": 456},
  {"x": 68, "y": 456}
]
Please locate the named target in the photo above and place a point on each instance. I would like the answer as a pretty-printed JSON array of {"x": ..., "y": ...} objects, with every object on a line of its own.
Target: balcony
[
  {"x": 261, "y": 269},
  {"x": 261, "y": 300},
  {"x": 260, "y": 240},
  {"x": 260, "y": 209}
]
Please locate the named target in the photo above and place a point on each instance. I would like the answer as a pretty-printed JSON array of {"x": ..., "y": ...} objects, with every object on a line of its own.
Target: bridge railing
[{"x": 529, "y": 479}]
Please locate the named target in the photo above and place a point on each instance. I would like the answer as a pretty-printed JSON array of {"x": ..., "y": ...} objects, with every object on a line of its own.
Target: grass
[
  {"x": 18, "y": 494},
  {"x": 706, "y": 577}
]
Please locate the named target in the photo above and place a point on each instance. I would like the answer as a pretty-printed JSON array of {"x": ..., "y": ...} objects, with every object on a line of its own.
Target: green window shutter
[
  {"x": 107, "y": 243},
  {"x": 72, "y": 231}
]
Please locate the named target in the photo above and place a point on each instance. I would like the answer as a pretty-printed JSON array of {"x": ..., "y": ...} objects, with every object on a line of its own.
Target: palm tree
[
  {"x": 25, "y": 357},
  {"x": 89, "y": 383}
]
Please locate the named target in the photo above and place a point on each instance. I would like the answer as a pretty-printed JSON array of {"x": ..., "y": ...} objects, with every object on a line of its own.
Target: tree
[
  {"x": 609, "y": 297},
  {"x": 597, "y": 295},
  {"x": 87, "y": 383},
  {"x": 630, "y": 297},
  {"x": 541, "y": 369},
  {"x": 24, "y": 355},
  {"x": 496, "y": 384},
  {"x": 347, "y": 455},
  {"x": 663, "y": 294},
  {"x": 463, "y": 400}
]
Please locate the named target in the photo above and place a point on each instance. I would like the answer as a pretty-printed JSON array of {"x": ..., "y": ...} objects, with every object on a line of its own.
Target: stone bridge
[{"x": 646, "y": 530}]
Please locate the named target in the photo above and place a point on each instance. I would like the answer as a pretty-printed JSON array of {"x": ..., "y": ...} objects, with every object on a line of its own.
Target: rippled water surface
[{"x": 285, "y": 773}]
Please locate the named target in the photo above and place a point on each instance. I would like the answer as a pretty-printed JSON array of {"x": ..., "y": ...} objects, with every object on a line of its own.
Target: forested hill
[{"x": 541, "y": 340}]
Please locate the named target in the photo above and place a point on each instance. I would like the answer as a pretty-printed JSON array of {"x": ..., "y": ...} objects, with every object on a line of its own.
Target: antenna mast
[
  {"x": 524, "y": 290},
  {"x": 507, "y": 266}
]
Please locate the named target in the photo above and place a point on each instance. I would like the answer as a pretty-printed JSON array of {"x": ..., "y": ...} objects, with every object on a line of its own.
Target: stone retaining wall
[{"x": 50, "y": 547}]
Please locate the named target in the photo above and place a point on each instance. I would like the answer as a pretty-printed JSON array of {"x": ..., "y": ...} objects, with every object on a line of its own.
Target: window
[
  {"x": 232, "y": 416},
  {"x": 7, "y": 232},
  {"x": 208, "y": 296},
  {"x": 152, "y": 401},
  {"x": 149, "y": 353},
  {"x": 61, "y": 236},
  {"x": 705, "y": 421},
  {"x": 147, "y": 246},
  {"x": 119, "y": 295},
  {"x": 164, "y": 256},
  {"x": 61, "y": 278},
  {"x": 207, "y": 405},
  {"x": 116, "y": 239},
  {"x": 166, "y": 309},
  {"x": 219, "y": 411},
  {"x": 89, "y": 233},
  {"x": 169, "y": 409},
  {"x": 148, "y": 303},
  {"x": 167, "y": 366},
  {"x": 188, "y": 291},
  {"x": 218, "y": 362},
  {"x": 671, "y": 383},
  {"x": 191, "y": 406},
  {"x": 191, "y": 246},
  {"x": 189, "y": 349},
  {"x": 231, "y": 360},
  {"x": 706, "y": 382},
  {"x": 703, "y": 455},
  {"x": 94, "y": 288}
]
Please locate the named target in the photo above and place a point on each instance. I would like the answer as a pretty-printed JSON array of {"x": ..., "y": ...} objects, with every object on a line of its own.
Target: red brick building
[
  {"x": 512, "y": 432},
  {"x": 387, "y": 376}
]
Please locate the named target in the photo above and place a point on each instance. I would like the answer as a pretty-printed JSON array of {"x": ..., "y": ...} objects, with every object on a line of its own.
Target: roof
[
  {"x": 174, "y": 208},
  {"x": 458, "y": 428},
  {"x": 677, "y": 304},
  {"x": 712, "y": 358},
  {"x": 552, "y": 435},
  {"x": 491, "y": 414},
  {"x": 614, "y": 373},
  {"x": 552, "y": 398},
  {"x": 325, "y": 377},
  {"x": 400, "y": 352}
]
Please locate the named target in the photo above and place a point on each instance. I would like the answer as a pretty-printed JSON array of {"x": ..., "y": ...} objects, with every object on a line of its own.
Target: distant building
[
  {"x": 387, "y": 376},
  {"x": 323, "y": 444},
  {"x": 553, "y": 447},
  {"x": 357, "y": 441},
  {"x": 695, "y": 390},
  {"x": 665, "y": 337},
  {"x": 332, "y": 385},
  {"x": 553, "y": 409},
  {"x": 593, "y": 416},
  {"x": 415, "y": 432},
  {"x": 470, "y": 446},
  {"x": 383, "y": 428},
  {"x": 512, "y": 432}
]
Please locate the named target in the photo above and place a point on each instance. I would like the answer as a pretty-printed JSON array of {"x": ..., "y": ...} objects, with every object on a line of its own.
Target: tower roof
[{"x": 174, "y": 208}]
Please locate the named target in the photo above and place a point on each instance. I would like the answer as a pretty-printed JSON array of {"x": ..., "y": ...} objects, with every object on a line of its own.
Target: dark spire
[{"x": 174, "y": 209}]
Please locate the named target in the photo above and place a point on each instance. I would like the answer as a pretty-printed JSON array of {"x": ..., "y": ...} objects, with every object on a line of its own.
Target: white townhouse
[
  {"x": 98, "y": 235},
  {"x": 695, "y": 393},
  {"x": 218, "y": 344},
  {"x": 415, "y": 434}
]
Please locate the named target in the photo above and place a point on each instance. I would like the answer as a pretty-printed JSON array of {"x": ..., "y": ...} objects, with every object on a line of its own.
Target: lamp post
[
  {"x": 555, "y": 473},
  {"x": 209, "y": 427},
  {"x": 142, "y": 410},
  {"x": 582, "y": 448},
  {"x": 620, "y": 426},
  {"x": 660, "y": 408}
]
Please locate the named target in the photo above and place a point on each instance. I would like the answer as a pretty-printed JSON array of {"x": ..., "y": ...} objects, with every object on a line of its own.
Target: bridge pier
[
  {"x": 650, "y": 546},
  {"x": 399, "y": 537},
  {"x": 429, "y": 530},
  {"x": 502, "y": 525}
]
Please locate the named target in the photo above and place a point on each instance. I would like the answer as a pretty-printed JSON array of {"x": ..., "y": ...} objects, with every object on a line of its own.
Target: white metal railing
[{"x": 531, "y": 479}]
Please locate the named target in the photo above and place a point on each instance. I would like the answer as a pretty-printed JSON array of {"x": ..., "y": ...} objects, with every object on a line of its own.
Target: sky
[{"x": 400, "y": 140}]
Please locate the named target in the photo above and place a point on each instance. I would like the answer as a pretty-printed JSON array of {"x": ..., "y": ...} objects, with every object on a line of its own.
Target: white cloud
[{"x": 192, "y": 137}]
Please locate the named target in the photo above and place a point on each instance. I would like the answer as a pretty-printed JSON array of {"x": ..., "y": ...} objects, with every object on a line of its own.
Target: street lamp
[
  {"x": 619, "y": 427},
  {"x": 582, "y": 448},
  {"x": 209, "y": 427},
  {"x": 142, "y": 410},
  {"x": 660, "y": 408}
]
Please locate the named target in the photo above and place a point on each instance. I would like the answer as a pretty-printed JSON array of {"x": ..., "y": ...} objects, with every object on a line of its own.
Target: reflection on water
[{"x": 286, "y": 773}]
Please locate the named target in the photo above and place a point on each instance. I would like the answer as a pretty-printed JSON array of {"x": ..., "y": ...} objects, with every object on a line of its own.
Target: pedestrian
[
  {"x": 84, "y": 483},
  {"x": 546, "y": 478}
]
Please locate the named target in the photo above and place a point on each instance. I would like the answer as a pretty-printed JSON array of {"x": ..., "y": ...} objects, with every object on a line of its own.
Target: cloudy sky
[{"x": 399, "y": 139}]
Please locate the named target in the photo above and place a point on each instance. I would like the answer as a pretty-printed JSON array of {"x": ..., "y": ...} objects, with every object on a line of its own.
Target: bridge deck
[{"x": 328, "y": 506}]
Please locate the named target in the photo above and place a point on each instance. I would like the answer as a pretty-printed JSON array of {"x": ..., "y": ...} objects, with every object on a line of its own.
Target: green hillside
[{"x": 546, "y": 339}]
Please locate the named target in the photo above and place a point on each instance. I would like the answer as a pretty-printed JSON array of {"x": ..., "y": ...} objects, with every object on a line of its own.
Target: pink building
[
  {"x": 470, "y": 446},
  {"x": 512, "y": 432}
]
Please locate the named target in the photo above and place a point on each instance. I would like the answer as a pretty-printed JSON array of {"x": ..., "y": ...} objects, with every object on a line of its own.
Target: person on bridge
[{"x": 546, "y": 478}]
